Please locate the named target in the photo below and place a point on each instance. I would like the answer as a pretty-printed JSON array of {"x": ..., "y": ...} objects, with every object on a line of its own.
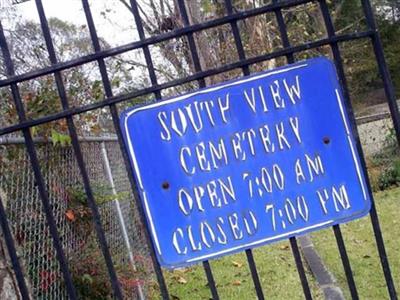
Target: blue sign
[{"x": 245, "y": 163}]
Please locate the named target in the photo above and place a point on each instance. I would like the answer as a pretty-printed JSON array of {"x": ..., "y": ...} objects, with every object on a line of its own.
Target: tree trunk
[{"x": 203, "y": 50}]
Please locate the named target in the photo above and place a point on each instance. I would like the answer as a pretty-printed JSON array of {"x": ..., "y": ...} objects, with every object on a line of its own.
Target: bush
[
  {"x": 384, "y": 167},
  {"x": 390, "y": 177},
  {"x": 88, "y": 268},
  {"x": 91, "y": 279}
]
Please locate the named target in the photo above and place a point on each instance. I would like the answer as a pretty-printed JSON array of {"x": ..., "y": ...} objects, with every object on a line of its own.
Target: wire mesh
[
  {"x": 42, "y": 174},
  {"x": 61, "y": 174}
]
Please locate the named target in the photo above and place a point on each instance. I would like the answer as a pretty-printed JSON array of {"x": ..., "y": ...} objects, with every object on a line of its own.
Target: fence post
[{"x": 120, "y": 215}]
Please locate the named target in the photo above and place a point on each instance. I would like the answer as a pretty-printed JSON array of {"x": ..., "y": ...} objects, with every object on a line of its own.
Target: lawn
[
  {"x": 277, "y": 268},
  {"x": 277, "y": 271},
  {"x": 361, "y": 247}
]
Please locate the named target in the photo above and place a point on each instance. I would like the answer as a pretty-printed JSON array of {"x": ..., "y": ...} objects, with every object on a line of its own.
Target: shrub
[
  {"x": 390, "y": 177},
  {"x": 384, "y": 166}
]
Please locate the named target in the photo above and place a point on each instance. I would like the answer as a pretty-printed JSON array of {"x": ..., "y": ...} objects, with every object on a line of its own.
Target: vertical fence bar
[
  {"x": 202, "y": 83},
  {"x": 254, "y": 274},
  {"x": 394, "y": 112},
  {"x": 346, "y": 262},
  {"x": 373, "y": 214},
  {"x": 116, "y": 202},
  {"x": 146, "y": 51},
  {"x": 12, "y": 252},
  {"x": 210, "y": 279},
  {"x": 300, "y": 268},
  {"x": 41, "y": 186},
  {"x": 339, "y": 66},
  {"x": 153, "y": 79},
  {"x": 237, "y": 38},
  {"x": 293, "y": 242},
  {"x": 114, "y": 113},
  {"x": 79, "y": 157},
  {"x": 192, "y": 44},
  {"x": 129, "y": 169},
  {"x": 246, "y": 72},
  {"x": 383, "y": 68},
  {"x": 120, "y": 215}
]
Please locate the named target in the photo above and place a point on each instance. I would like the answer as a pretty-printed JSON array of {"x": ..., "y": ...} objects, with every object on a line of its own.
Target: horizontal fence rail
[
  {"x": 178, "y": 82},
  {"x": 200, "y": 76}
]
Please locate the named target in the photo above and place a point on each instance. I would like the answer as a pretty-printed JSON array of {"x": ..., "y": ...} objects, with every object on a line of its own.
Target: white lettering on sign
[
  {"x": 246, "y": 182},
  {"x": 207, "y": 156},
  {"x": 238, "y": 147}
]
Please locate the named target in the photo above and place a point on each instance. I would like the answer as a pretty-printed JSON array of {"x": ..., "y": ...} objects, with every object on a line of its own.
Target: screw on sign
[{"x": 245, "y": 163}]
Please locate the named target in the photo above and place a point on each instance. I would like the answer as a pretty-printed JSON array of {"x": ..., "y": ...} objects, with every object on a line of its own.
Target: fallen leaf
[
  {"x": 182, "y": 280},
  {"x": 70, "y": 215},
  {"x": 237, "y": 264},
  {"x": 236, "y": 282},
  {"x": 284, "y": 247}
]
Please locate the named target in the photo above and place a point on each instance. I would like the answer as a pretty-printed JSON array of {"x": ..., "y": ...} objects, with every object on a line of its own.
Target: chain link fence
[{"x": 119, "y": 217}]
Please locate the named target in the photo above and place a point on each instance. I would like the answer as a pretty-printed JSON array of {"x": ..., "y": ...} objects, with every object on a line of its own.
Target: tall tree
[{"x": 82, "y": 83}]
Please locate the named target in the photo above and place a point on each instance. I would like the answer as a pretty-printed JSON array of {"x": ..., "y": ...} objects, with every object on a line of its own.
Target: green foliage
[
  {"x": 102, "y": 193},
  {"x": 390, "y": 177},
  {"x": 59, "y": 138},
  {"x": 78, "y": 211},
  {"x": 88, "y": 269},
  {"x": 359, "y": 57},
  {"x": 82, "y": 83},
  {"x": 347, "y": 13},
  {"x": 390, "y": 35},
  {"x": 89, "y": 274},
  {"x": 91, "y": 279},
  {"x": 384, "y": 166}
]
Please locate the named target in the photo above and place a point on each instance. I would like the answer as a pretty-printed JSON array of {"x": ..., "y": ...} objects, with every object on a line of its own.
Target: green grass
[
  {"x": 362, "y": 251},
  {"x": 277, "y": 269}
]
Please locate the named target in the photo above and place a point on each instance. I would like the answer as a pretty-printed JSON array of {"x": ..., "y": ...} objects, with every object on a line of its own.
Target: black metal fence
[{"x": 231, "y": 18}]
